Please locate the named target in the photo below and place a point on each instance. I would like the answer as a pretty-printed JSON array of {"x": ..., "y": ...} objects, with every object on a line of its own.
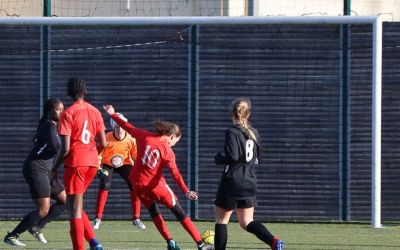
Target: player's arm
[
  {"x": 101, "y": 145},
  {"x": 53, "y": 140},
  {"x": 65, "y": 147},
  {"x": 231, "y": 147},
  {"x": 129, "y": 128},
  {"x": 133, "y": 151},
  {"x": 176, "y": 175},
  {"x": 231, "y": 152}
]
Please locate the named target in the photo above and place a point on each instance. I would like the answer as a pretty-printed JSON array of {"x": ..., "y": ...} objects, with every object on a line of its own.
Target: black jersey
[
  {"x": 46, "y": 145},
  {"x": 240, "y": 159}
]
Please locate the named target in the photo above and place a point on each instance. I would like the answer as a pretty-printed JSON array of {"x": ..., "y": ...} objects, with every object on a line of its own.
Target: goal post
[{"x": 375, "y": 21}]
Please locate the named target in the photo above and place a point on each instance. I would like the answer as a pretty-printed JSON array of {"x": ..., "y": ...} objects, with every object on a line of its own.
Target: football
[{"x": 208, "y": 236}]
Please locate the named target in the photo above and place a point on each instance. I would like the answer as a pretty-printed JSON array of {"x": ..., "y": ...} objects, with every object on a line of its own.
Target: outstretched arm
[
  {"x": 109, "y": 109},
  {"x": 129, "y": 128}
]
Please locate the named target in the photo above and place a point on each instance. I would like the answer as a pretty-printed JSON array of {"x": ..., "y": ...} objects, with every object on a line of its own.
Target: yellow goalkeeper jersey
[{"x": 119, "y": 152}]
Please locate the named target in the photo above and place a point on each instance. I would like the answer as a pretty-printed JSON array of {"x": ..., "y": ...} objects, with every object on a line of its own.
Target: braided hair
[
  {"x": 240, "y": 110},
  {"x": 77, "y": 88},
  {"x": 167, "y": 128},
  {"x": 47, "y": 107}
]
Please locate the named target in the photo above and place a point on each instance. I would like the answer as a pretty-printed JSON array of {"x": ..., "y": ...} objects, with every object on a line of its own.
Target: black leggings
[{"x": 123, "y": 171}]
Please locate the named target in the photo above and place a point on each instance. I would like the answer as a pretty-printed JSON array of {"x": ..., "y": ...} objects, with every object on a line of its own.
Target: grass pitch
[{"x": 122, "y": 235}]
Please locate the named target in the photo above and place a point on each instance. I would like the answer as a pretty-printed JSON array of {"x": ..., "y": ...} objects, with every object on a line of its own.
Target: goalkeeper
[{"x": 118, "y": 157}]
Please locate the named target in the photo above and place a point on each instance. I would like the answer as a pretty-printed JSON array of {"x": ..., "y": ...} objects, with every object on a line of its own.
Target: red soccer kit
[
  {"x": 152, "y": 155},
  {"x": 81, "y": 121}
]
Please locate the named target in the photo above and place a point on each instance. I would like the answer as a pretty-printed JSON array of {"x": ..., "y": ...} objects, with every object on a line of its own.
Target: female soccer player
[
  {"x": 79, "y": 125},
  {"x": 36, "y": 171},
  {"x": 155, "y": 153},
  {"x": 118, "y": 156},
  {"x": 237, "y": 189}
]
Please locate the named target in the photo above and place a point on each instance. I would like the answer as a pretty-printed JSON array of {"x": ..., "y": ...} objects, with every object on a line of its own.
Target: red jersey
[
  {"x": 81, "y": 121},
  {"x": 152, "y": 155}
]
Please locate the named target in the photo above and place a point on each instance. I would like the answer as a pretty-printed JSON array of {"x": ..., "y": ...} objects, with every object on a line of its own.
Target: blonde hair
[
  {"x": 240, "y": 110},
  {"x": 167, "y": 128}
]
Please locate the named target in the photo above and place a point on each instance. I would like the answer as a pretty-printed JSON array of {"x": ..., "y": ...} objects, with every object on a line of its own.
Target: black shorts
[
  {"x": 229, "y": 203},
  {"x": 38, "y": 180}
]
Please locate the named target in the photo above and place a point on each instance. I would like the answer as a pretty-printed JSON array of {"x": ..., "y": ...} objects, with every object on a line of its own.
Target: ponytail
[
  {"x": 240, "y": 110},
  {"x": 166, "y": 128}
]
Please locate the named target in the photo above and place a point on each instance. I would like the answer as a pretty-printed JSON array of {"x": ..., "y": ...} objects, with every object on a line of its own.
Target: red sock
[
  {"x": 162, "y": 227},
  {"x": 77, "y": 232},
  {"x": 191, "y": 229},
  {"x": 101, "y": 202},
  {"x": 135, "y": 204},
  {"x": 89, "y": 233}
]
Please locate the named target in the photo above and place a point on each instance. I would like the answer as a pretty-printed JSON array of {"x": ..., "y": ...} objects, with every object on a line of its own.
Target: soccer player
[
  {"x": 36, "y": 170},
  {"x": 79, "y": 125},
  {"x": 155, "y": 153},
  {"x": 237, "y": 188},
  {"x": 118, "y": 156}
]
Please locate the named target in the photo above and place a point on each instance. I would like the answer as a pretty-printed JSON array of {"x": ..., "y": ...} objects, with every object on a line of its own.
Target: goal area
[{"x": 315, "y": 84}]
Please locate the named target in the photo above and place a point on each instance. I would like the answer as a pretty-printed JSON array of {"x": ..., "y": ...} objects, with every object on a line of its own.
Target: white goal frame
[{"x": 375, "y": 21}]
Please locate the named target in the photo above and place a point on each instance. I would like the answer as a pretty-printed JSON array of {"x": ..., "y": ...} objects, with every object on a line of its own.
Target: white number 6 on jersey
[{"x": 85, "y": 136}]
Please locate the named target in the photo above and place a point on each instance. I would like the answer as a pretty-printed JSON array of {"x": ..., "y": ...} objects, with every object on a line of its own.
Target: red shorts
[
  {"x": 78, "y": 179},
  {"x": 160, "y": 194}
]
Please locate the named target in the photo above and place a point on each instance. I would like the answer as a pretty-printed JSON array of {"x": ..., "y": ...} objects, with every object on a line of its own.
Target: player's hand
[
  {"x": 102, "y": 172},
  {"x": 192, "y": 195},
  {"x": 109, "y": 109}
]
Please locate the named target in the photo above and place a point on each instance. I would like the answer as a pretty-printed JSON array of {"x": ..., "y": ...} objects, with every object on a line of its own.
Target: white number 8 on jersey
[{"x": 249, "y": 150}]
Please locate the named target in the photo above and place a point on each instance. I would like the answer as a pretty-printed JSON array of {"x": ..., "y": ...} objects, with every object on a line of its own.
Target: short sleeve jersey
[
  {"x": 153, "y": 155},
  {"x": 81, "y": 121},
  {"x": 119, "y": 152}
]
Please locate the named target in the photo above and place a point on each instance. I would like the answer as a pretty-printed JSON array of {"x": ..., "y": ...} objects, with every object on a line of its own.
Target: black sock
[
  {"x": 260, "y": 231},
  {"x": 27, "y": 222},
  {"x": 55, "y": 210},
  {"x": 221, "y": 236}
]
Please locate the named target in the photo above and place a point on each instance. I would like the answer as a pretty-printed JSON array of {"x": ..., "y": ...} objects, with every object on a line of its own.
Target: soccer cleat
[
  {"x": 38, "y": 235},
  {"x": 96, "y": 247},
  {"x": 205, "y": 246},
  {"x": 171, "y": 245},
  {"x": 95, "y": 244},
  {"x": 96, "y": 223},
  {"x": 13, "y": 240},
  {"x": 138, "y": 224},
  {"x": 277, "y": 244}
]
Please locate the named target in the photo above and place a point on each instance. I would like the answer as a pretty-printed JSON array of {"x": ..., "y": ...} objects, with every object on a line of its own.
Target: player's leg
[
  {"x": 155, "y": 214},
  {"x": 39, "y": 187},
  {"x": 76, "y": 180},
  {"x": 123, "y": 171},
  {"x": 222, "y": 217},
  {"x": 188, "y": 225},
  {"x": 89, "y": 235},
  {"x": 245, "y": 212},
  {"x": 102, "y": 194},
  {"x": 169, "y": 199},
  {"x": 224, "y": 206},
  {"x": 59, "y": 195},
  {"x": 28, "y": 221}
]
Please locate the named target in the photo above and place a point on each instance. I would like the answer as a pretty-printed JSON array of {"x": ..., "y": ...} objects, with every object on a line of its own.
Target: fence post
[
  {"x": 45, "y": 56},
  {"x": 193, "y": 118}
]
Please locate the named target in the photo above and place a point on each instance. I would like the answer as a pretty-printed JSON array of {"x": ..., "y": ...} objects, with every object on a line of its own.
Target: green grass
[{"x": 297, "y": 236}]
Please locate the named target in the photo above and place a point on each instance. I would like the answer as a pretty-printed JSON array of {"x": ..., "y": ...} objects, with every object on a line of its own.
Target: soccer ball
[{"x": 208, "y": 236}]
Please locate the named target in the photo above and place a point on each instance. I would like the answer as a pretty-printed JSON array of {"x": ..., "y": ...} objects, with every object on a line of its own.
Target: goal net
[{"x": 389, "y": 10}]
